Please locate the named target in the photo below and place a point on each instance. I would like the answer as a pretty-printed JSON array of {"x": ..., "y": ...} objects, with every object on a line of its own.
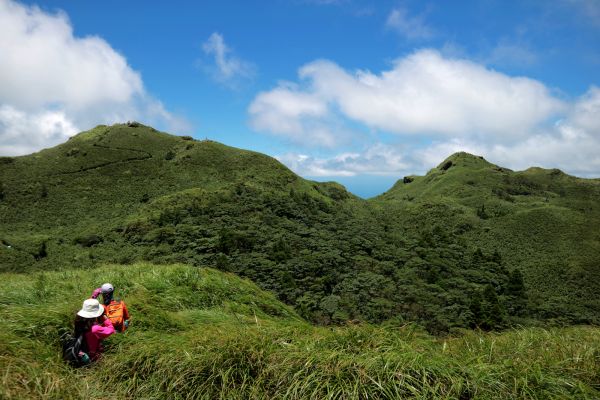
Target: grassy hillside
[
  {"x": 79, "y": 194},
  {"x": 469, "y": 245},
  {"x": 200, "y": 333},
  {"x": 544, "y": 222},
  {"x": 105, "y": 174}
]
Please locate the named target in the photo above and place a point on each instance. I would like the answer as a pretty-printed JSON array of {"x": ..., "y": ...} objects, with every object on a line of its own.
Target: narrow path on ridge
[{"x": 146, "y": 156}]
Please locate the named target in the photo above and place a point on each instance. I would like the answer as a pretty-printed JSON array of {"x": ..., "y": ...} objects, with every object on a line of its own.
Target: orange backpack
[{"x": 114, "y": 312}]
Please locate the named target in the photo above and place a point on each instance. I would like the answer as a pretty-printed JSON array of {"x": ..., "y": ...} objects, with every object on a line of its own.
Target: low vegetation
[{"x": 201, "y": 333}]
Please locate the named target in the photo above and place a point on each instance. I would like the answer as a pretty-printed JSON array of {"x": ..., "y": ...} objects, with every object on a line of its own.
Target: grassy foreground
[{"x": 200, "y": 333}]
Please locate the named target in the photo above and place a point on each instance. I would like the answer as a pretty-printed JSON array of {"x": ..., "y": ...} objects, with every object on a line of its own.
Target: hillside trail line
[{"x": 146, "y": 156}]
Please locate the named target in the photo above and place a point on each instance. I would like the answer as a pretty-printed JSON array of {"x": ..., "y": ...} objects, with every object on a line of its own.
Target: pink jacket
[{"x": 96, "y": 335}]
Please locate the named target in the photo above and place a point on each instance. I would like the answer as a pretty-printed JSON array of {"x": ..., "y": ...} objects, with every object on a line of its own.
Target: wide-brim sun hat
[{"x": 91, "y": 308}]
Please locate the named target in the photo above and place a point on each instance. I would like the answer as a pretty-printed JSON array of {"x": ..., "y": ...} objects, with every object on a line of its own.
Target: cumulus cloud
[
  {"x": 54, "y": 84},
  {"x": 424, "y": 93},
  {"x": 21, "y": 132},
  {"x": 42, "y": 62},
  {"x": 436, "y": 105},
  {"x": 572, "y": 144},
  {"x": 228, "y": 69},
  {"x": 410, "y": 27},
  {"x": 585, "y": 114},
  {"x": 300, "y": 116}
]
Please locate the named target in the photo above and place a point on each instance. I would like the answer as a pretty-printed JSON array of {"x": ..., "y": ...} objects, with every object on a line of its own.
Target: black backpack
[{"x": 71, "y": 346}]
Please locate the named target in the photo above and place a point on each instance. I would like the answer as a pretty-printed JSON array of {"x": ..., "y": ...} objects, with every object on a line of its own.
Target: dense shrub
[{"x": 88, "y": 240}]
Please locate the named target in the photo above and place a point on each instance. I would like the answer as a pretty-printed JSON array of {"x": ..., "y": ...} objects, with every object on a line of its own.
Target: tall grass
[{"x": 199, "y": 333}]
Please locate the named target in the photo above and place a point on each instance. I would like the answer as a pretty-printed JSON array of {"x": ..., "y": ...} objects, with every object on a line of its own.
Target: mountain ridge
[{"x": 460, "y": 158}]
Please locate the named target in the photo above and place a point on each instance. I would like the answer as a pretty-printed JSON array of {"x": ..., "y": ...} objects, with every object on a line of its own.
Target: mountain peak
[
  {"x": 129, "y": 128},
  {"x": 464, "y": 159}
]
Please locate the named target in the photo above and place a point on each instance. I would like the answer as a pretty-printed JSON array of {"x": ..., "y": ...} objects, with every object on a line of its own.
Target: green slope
[
  {"x": 543, "y": 221},
  {"x": 108, "y": 172},
  {"x": 448, "y": 250},
  {"x": 201, "y": 333},
  {"x": 84, "y": 189}
]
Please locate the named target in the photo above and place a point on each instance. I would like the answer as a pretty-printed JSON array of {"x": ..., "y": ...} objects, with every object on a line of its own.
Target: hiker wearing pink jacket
[{"x": 95, "y": 327}]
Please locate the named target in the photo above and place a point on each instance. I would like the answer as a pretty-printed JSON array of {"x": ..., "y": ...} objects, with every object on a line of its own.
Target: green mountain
[
  {"x": 544, "y": 222},
  {"x": 198, "y": 333},
  {"x": 107, "y": 173},
  {"x": 468, "y": 245},
  {"x": 66, "y": 196}
]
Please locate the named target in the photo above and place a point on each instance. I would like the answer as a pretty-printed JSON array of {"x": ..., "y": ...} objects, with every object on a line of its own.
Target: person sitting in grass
[
  {"x": 115, "y": 310},
  {"x": 95, "y": 327}
]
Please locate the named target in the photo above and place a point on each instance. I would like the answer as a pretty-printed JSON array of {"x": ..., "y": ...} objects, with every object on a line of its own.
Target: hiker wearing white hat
[
  {"x": 94, "y": 327},
  {"x": 91, "y": 309}
]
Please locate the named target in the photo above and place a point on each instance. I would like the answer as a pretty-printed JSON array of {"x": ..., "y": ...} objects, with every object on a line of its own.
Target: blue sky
[{"x": 354, "y": 91}]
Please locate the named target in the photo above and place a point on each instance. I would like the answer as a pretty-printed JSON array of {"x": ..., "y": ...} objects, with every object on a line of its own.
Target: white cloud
[
  {"x": 43, "y": 63},
  {"x": 228, "y": 69},
  {"x": 56, "y": 84},
  {"x": 306, "y": 165},
  {"x": 411, "y": 28},
  {"x": 299, "y": 116},
  {"x": 585, "y": 114},
  {"x": 378, "y": 159},
  {"x": 21, "y": 132},
  {"x": 424, "y": 93},
  {"x": 572, "y": 144}
]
